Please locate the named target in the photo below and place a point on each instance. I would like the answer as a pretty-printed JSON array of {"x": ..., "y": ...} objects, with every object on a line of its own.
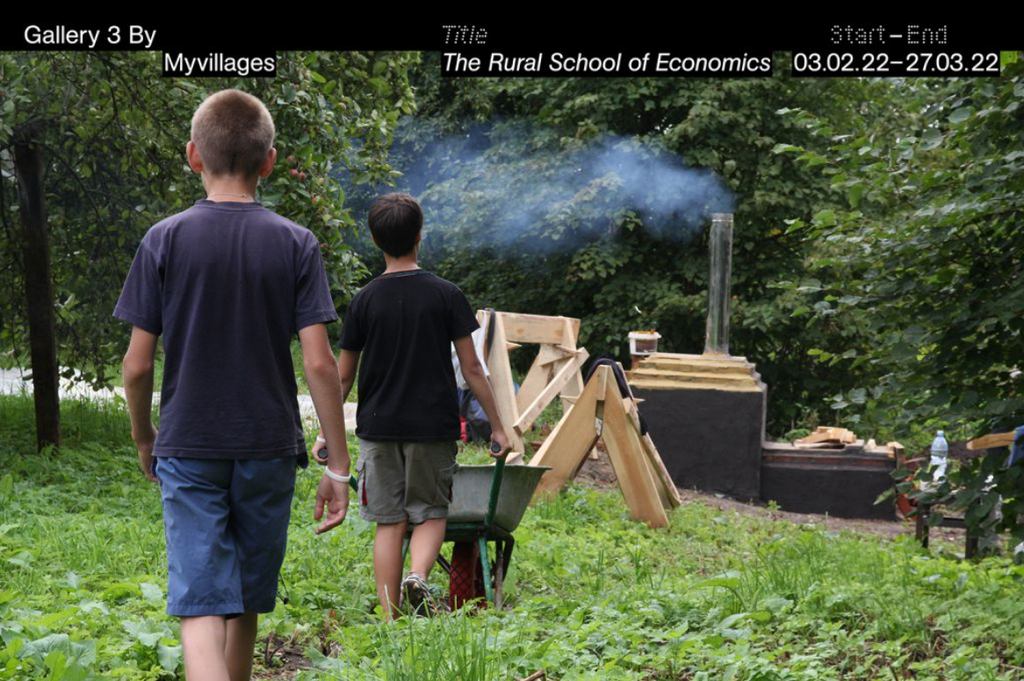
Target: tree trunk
[{"x": 28, "y": 164}]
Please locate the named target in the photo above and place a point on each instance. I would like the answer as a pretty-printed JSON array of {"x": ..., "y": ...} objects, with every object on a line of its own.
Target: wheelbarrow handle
[{"x": 499, "y": 471}]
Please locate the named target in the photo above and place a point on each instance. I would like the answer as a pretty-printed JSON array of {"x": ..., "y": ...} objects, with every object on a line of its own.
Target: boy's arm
[
  {"x": 137, "y": 374},
  {"x": 473, "y": 372},
  {"x": 325, "y": 390},
  {"x": 348, "y": 360}
]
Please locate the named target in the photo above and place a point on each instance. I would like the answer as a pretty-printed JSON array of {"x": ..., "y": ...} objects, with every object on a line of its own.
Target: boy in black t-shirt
[{"x": 403, "y": 323}]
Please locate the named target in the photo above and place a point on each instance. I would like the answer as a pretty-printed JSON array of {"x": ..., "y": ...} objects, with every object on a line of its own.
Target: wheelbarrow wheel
[{"x": 466, "y": 579}]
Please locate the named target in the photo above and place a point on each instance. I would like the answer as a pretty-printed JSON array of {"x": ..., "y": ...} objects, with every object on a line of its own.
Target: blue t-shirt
[{"x": 228, "y": 284}]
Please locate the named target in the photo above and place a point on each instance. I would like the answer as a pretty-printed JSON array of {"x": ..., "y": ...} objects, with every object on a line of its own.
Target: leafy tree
[
  {"x": 926, "y": 235},
  {"x": 113, "y": 134}
]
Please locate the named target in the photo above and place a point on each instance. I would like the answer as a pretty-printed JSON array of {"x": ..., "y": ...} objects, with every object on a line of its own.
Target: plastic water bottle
[{"x": 940, "y": 452}]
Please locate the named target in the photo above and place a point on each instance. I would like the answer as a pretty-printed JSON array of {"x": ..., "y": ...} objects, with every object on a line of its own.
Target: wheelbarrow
[{"x": 488, "y": 502}]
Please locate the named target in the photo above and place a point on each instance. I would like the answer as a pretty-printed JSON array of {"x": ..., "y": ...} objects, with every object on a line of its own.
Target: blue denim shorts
[{"x": 226, "y": 523}]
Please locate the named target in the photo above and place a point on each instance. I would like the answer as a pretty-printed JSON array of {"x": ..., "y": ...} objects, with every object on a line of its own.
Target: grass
[{"x": 590, "y": 595}]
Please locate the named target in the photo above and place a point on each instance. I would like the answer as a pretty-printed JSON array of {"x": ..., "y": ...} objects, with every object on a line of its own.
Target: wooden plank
[
  {"x": 666, "y": 486},
  {"x": 572, "y": 389},
  {"x": 693, "y": 377},
  {"x": 528, "y": 328},
  {"x": 549, "y": 361},
  {"x": 683, "y": 357},
  {"x": 664, "y": 496},
  {"x": 701, "y": 364},
  {"x": 567, "y": 444},
  {"x": 602, "y": 376},
  {"x": 827, "y": 434},
  {"x": 660, "y": 472},
  {"x": 568, "y": 335},
  {"x": 530, "y": 414},
  {"x": 660, "y": 384},
  {"x": 630, "y": 465},
  {"x": 549, "y": 354},
  {"x": 481, "y": 319},
  {"x": 504, "y": 390},
  {"x": 992, "y": 440},
  {"x": 537, "y": 377},
  {"x": 896, "y": 451},
  {"x": 575, "y": 385}
]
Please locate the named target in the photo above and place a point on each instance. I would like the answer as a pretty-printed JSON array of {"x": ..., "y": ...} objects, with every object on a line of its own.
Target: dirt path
[{"x": 599, "y": 473}]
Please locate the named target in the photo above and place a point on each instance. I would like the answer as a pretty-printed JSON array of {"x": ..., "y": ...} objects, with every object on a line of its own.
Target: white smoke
[{"x": 512, "y": 183}]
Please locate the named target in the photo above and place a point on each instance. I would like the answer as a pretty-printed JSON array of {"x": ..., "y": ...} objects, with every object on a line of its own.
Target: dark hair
[
  {"x": 395, "y": 220},
  {"x": 233, "y": 132}
]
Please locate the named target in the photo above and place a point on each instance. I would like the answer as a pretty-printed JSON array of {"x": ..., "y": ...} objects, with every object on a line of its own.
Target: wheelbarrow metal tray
[{"x": 471, "y": 490}]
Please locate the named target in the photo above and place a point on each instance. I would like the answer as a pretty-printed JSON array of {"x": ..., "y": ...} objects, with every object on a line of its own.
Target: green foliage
[
  {"x": 591, "y": 594},
  {"x": 114, "y": 138},
  {"x": 921, "y": 250},
  {"x": 924, "y": 249},
  {"x": 984, "y": 491}
]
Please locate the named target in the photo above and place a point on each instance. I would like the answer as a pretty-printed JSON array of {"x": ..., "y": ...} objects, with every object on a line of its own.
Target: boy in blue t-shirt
[
  {"x": 402, "y": 325},
  {"x": 229, "y": 283}
]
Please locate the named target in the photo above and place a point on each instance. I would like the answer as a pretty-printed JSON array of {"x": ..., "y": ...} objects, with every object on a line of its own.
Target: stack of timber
[
  {"x": 706, "y": 414},
  {"x": 669, "y": 371},
  {"x": 828, "y": 436}
]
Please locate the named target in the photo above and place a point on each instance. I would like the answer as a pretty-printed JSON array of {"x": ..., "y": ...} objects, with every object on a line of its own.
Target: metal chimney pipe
[{"x": 717, "y": 335}]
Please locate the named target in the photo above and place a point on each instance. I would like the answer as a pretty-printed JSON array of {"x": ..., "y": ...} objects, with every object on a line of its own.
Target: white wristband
[
  {"x": 335, "y": 476},
  {"x": 320, "y": 440}
]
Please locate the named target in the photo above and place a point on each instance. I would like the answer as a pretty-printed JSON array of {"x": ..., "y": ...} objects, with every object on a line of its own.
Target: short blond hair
[{"x": 233, "y": 132}]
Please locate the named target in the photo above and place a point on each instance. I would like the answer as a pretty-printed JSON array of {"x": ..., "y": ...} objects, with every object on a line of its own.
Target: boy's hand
[
  {"x": 335, "y": 495},
  {"x": 144, "y": 444},
  {"x": 499, "y": 438}
]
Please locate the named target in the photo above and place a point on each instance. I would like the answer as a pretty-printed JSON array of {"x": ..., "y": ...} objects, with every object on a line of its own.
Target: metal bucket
[{"x": 471, "y": 491}]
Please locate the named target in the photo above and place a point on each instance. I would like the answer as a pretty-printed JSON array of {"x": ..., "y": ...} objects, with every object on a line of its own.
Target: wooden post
[
  {"x": 28, "y": 165},
  {"x": 666, "y": 485},
  {"x": 631, "y": 468},
  {"x": 575, "y": 385},
  {"x": 503, "y": 388},
  {"x": 568, "y": 443}
]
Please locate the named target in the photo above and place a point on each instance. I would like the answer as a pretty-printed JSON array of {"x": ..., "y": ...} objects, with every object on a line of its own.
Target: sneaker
[{"x": 416, "y": 594}]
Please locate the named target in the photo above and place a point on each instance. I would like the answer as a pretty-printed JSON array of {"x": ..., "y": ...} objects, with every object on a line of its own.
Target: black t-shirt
[
  {"x": 228, "y": 284},
  {"x": 403, "y": 324}
]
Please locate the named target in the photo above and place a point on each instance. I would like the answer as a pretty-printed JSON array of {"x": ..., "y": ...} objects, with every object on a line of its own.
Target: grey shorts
[{"x": 401, "y": 481}]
